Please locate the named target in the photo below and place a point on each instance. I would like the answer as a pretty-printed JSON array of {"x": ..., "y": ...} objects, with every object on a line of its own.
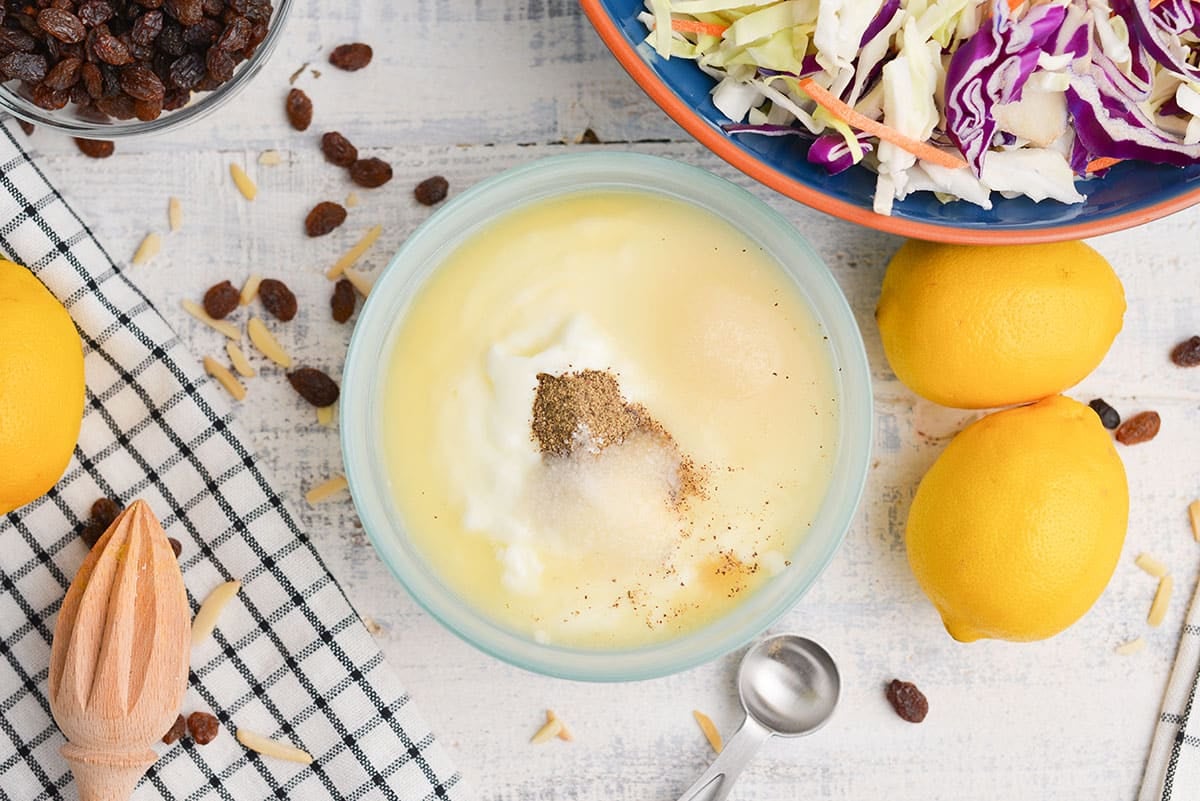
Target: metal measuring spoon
[{"x": 789, "y": 686}]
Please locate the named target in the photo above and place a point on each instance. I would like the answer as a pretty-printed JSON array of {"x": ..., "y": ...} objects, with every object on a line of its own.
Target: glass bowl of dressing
[{"x": 606, "y": 416}]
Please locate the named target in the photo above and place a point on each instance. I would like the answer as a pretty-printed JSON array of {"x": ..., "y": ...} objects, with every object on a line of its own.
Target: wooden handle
[{"x": 105, "y": 776}]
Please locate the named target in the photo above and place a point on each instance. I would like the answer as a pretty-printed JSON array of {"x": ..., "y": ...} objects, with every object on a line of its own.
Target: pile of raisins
[{"x": 126, "y": 59}]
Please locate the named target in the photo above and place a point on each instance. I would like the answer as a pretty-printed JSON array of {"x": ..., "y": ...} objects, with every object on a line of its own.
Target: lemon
[
  {"x": 1017, "y": 527},
  {"x": 41, "y": 387},
  {"x": 975, "y": 327}
]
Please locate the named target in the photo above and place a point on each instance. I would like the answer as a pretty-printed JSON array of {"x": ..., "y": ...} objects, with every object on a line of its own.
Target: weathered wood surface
[{"x": 466, "y": 90}]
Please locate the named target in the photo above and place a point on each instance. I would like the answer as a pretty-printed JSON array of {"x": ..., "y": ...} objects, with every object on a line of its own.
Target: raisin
[
  {"x": 221, "y": 299},
  {"x": 27, "y": 127},
  {"x": 119, "y": 107},
  {"x": 140, "y": 83},
  {"x": 170, "y": 41},
  {"x": 95, "y": 148},
  {"x": 105, "y": 511},
  {"x": 188, "y": 12},
  {"x": 64, "y": 74},
  {"x": 91, "y": 533},
  {"x": 370, "y": 173},
  {"x": 338, "y": 150},
  {"x": 29, "y": 67},
  {"x": 351, "y": 57},
  {"x": 236, "y": 35},
  {"x": 589, "y": 137},
  {"x": 1109, "y": 417},
  {"x": 187, "y": 70},
  {"x": 299, "y": 110},
  {"x": 95, "y": 12},
  {"x": 147, "y": 28},
  {"x": 220, "y": 65},
  {"x": 177, "y": 730},
  {"x": 92, "y": 79},
  {"x": 111, "y": 50},
  {"x": 253, "y": 10},
  {"x": 45, "y": 97},
  {"x": 13, "y": 40},
  {"x": 314, "y": 386},
  {"x": 431, "y": 191},
  {"x": 203, "y": 727},
  {"x": 1187, "y": 353},
  {"x": 324, "y": 217},
  {"x": 909, "y": 702},
  {"x": 176, "y": 546},
  {"x": 277, "y": 299},
  {"x": 343, "y": 301},
  {"x": 61, "y": 24},
  {"x": 176, "y": 99},
  {"x": 1141, "y": 427}
]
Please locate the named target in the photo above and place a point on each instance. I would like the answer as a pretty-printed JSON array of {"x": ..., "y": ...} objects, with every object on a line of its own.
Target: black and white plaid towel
[
  {"x": 290, "y": 659},
  {"x": 1173, "y": 768}
]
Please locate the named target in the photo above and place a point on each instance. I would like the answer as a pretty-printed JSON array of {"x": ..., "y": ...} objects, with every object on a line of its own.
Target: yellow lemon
[
  {"x": 1017, "y": 527},
  {"x": 41, "y": 387},
  {"x": 975, "y": 327}
]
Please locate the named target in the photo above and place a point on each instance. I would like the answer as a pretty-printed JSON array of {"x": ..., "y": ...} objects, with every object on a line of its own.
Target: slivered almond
[
  {"x": 355, "y": 253},
  {"x": 1194, "y": 516},
  {"x": 175, "y": 214},
  {"x": 1151, "y": 565},
  {"x": 272, "y": 748},
  {"x": 266, "y": 343},
  {"x": 224, "y": 377},
  {"x": 1131, "y": 647},
  {"x": 270, "y": 158},
  {"x": 222, "y": 326},
  {"x": 351, "y": 200},
  {"x": 326, "y": 490},
  {"x": 361, "y": 283},
  {"x": 237, "y": 357},
  {"x": 563, "y": 733},
  {"x": 206, "y": 619},
  {"x": 249, "y": 290},
  {"x": 148, "y": 249},
  {"x": 1162, "y": 597},
  {"x": 243, "y": 182},
  {"x": 325, "y": 416},
  {"x": 710, "y": 731},
  {"x": 549, "y": 730}
]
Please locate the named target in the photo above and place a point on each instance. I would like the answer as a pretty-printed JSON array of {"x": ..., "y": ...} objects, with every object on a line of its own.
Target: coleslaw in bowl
[{"x": 979, "y": 120}]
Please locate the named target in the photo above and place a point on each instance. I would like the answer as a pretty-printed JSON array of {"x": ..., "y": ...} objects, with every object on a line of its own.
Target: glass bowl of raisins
[{"x": 106, "y": 69}]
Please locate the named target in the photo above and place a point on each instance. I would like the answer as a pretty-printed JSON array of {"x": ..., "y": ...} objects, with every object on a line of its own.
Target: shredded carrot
[
  {"x": 1102, "y": 163},
  {"x": 696, "y": 26},
  {"x": 1154, "y": 3},
  {"x": 1013, "y": 5},
  {"x": 852, "y": 118}
]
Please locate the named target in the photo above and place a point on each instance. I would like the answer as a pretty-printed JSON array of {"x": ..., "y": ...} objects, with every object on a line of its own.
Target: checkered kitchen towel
[
  {"x": 290, "y": 659},
  {"x": 1173, "y": 769}
]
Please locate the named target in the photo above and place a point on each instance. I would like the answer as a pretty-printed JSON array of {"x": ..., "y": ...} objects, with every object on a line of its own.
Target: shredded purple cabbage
[
  {"x": 991, "y": 68},
  {"x": 831, "y": 152},
  {"x": 1145, "y": 25},
  {"x": 889, "y": 10},
  {"x": 1107, "y": 124}
]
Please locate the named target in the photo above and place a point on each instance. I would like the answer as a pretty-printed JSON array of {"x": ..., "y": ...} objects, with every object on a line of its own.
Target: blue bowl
[{"x": 1129, "y": 194}]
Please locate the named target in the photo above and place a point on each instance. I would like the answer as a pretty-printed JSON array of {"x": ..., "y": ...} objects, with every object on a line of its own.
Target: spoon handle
[{"x": 729, "y": 763}]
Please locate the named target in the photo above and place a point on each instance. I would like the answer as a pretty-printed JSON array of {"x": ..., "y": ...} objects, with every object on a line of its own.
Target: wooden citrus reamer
[{"x": 119, "y": 659}]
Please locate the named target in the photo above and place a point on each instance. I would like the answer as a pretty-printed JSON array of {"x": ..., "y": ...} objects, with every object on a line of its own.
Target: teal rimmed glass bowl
[{"x": 364, "y": 381}]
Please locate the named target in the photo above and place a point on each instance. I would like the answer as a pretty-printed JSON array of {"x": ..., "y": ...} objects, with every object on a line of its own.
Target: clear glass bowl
[
  {"x": 362, "y": 405},
  {"x": 69, "y": 120}
]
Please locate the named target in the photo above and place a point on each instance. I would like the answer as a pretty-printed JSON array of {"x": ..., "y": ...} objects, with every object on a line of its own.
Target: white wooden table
[{"x": 466, "y": 89}]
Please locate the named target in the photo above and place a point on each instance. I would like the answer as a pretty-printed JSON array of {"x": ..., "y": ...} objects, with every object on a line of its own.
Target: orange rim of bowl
[{"x": 722, "y": 146}]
